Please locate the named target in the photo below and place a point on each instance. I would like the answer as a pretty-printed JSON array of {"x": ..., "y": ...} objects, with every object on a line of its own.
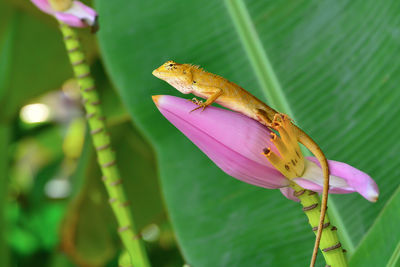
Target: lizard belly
[
  {"x": 238, "y": 107},
  {"x": 180, "y": 86},
  {"x": 235, "y": 103}
]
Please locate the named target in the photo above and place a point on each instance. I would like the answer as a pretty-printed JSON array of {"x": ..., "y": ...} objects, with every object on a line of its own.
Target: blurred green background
[
  {"x": 54, "y": 208},
  {"x": 338, "y": 65}
]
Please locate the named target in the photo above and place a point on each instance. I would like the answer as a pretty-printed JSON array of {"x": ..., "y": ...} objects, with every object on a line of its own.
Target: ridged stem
[
  {"x": 106, "y": 158},
  {"x": 329, "y": 245}
]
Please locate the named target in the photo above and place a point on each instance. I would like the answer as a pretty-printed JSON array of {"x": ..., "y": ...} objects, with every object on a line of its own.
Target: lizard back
[{"x": 233, "y": 97}]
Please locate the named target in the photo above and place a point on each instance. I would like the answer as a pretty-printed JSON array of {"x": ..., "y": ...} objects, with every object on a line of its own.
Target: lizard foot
[
  {"x": 290, "y": 161},
  {"x": 196, "y": 101},
  {"x": 200, "y": 104},
  {"x": 281, "y": 118}
]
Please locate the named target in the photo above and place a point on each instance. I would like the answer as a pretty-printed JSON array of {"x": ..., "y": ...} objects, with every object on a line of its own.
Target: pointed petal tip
[
  {"x": 372, "y": 193},
  {"x": 354, "y": 180},
  {"x": 156, "y": 99}
]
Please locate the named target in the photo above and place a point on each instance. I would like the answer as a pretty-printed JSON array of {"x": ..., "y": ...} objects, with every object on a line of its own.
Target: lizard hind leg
[
  {"x": 262, "y": 117},
  {"x": 289, "y": 161}
]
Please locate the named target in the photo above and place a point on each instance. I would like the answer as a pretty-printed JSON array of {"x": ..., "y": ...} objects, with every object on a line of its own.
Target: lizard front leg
[{"x": 215, "y": 93}]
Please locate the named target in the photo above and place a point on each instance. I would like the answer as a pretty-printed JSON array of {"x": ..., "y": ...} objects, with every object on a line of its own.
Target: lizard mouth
[
  {"x": 160, "y": 74},
  {"x": 156, "y": 73}
]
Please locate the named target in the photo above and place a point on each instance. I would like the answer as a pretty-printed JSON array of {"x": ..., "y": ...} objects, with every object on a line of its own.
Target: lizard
[{"x": 188, "y": 78}]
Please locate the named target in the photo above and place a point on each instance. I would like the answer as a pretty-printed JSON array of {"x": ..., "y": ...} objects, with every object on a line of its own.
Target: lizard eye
[{"x": 169, "y": 65}]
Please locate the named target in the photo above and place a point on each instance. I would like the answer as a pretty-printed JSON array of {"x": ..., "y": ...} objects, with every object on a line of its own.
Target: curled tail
[{"x": 316, "y": 150}]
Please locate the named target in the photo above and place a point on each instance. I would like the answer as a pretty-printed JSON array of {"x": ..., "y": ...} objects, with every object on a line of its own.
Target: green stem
[
  {"x": 106, "y": 158},
  {"x": 329, "y": 245}
]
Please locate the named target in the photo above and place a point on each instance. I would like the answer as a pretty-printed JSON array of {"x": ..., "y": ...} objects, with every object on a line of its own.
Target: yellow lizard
[{"x": 188, "y": 79}]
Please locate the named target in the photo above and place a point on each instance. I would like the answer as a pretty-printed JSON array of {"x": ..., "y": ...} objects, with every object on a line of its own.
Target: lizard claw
[
  {"x": 279, "y": 120},
  {"x": 200, "y": 106},
  {"x": 199, "y": 103},
  {"x": 196, "y": 101}
]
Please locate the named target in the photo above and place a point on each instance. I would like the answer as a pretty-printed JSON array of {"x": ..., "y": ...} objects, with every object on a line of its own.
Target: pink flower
[
  {"x": 235, "y": 143},
  {"x": 73, "y": 13}
]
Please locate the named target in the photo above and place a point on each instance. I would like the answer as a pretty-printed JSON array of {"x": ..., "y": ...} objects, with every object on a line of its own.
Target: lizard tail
[{"x": 316, "y": 150}]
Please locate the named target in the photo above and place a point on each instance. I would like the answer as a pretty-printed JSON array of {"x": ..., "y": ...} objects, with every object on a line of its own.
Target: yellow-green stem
[
  {"x": 106, "y": 158},
  {"x": 330, "y": 246}
]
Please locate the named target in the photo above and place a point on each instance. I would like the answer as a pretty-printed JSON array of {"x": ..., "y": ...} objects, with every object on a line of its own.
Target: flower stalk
[
  {"x": 291, "y": 164},
  {"x": 106, "y": 158},
  {"x": 329, "y": 245}
]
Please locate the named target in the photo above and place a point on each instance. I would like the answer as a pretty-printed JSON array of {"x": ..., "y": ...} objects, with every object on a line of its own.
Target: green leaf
[
  {"x": 335, "y": 62},
  {"x": 383, "y": 234},
  {"x": 5, "y": 137},
  {"x": 94, "y": 244},
  {"x": 136, "y": 163},
  {"x": 33, "y": 61},
  {"x": 87, "y": 235}
]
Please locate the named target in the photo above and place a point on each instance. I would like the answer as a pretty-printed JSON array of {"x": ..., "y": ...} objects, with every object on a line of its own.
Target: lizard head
[{"x": 177, "y": 75}]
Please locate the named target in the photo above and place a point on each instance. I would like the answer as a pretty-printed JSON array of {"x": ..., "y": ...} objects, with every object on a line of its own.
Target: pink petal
[
  {"x": 70, "y": 19},
  {"x": 289, "y": 193},
  {"x": 43, "y": 5},
  {"x": 78, "y": 15},
  {"x": 355, "y": 180},
  {"x": 88, "y": 10},
  {"x": 233, "y": 141}
]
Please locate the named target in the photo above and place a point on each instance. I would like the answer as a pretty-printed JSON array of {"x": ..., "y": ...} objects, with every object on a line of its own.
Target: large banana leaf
[
  {"x": 338, "y": 66},
  {"x": 382, "y": 235},
  {"x": 5, "y": 131},
  {"x": 32, "y": 60}
]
